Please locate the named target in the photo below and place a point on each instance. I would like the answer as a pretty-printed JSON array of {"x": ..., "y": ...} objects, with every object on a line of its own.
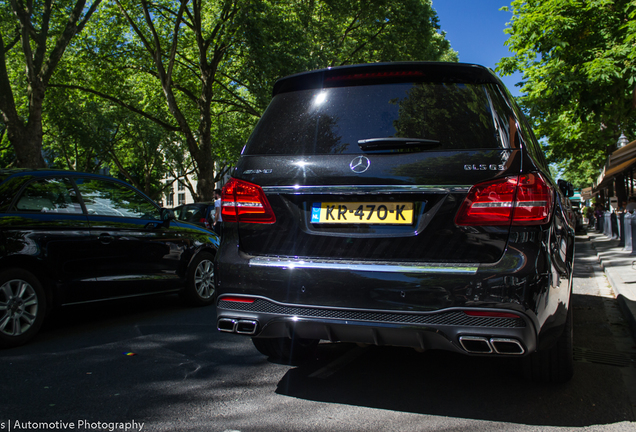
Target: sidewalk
[{"x": 620, "y": 268}]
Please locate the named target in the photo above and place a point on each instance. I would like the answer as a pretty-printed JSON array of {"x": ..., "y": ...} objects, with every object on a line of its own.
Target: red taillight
[
  {"x": 534, "y": 201},
  {"x": 238, "y": 299},
  {"x": 521, "y": 200},
  {"x": 488, "y": 203},
  {"x": 245, "y": 202}
]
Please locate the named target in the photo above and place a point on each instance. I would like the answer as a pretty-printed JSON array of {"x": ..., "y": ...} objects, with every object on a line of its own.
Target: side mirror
[
  {"x": 167, "y": 215},
  {"x": 566, "y": 187}
]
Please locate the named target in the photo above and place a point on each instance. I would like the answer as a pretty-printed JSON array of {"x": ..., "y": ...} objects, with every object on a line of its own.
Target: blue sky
[{"x": 475, "y": 29}]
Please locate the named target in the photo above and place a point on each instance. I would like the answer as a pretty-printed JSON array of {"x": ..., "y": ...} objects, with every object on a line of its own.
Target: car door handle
[{"x": 106, "y": 238}]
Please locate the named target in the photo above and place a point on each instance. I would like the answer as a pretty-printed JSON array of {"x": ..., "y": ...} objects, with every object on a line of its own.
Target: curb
[{"x": 627, "y": 306}]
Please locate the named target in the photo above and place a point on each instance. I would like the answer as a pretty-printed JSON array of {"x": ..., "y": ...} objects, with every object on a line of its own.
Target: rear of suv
[{"x": 403, "y": 204}]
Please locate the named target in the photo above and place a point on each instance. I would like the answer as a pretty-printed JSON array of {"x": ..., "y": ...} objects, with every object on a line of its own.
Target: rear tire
[
  {"x": 200, "y": 289},
  {"x": 555, "y": 365},
  {"x": 22, "y": 307},
  {"x": 286, "y": 349}
]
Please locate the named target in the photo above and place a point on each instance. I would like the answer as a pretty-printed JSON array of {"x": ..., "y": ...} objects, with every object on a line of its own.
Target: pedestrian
[
  {"x": 589, "y": 214},
  {"x": 218, "y": 219},
  {"x": 599, "y": 214}
]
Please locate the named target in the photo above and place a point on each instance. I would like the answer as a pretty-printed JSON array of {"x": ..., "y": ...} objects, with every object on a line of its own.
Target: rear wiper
[{"x": 391, "y": 143}]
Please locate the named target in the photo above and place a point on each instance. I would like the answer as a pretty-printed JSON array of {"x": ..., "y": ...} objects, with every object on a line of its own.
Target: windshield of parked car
[{"x": 108, "y": 198}]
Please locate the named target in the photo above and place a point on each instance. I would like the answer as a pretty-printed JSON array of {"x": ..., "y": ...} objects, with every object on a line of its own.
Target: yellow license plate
[{"x": 388, "y": 213}]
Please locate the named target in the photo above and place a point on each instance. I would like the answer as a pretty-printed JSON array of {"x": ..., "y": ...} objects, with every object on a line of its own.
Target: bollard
[
  {"x": 613, "y": 225},
  {"x": 633, "y": 223},
  {"x": 607, "y": 224},
  {"x": 621, "y": 229},
  {"x": 628, "y": 231}
]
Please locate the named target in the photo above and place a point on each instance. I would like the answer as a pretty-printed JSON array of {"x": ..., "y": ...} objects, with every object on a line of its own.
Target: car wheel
[
  {"x": 22, "y": 307},
  {"x": 200, "y": 289},
  {"x": 285, "y": 349},
  {"x": 555, "y": 365}
]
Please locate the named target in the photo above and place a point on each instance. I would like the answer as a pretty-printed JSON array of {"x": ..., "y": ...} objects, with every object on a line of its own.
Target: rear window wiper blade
[{"x": 389, "y": 143}]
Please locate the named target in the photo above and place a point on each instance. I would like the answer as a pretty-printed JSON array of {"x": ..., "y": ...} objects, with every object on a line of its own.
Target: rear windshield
[{"x": 335, "y": 120}]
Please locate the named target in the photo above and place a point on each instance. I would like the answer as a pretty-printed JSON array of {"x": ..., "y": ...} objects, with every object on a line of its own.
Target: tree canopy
[
  {"x": 578, "y": 59},
  {"x": 191, "y": 78},
  {"x": 33, "y": 39}
]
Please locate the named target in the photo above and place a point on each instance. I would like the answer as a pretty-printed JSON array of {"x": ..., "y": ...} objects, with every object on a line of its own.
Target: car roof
[
  {"x": 45, "y": 172},
  {"x": 400, "y": 71},
  {"x": 6, "y": 174}
]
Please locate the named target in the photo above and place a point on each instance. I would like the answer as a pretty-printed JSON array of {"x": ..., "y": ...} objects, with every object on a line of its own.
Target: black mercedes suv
[{"x": 404, "y": 204}]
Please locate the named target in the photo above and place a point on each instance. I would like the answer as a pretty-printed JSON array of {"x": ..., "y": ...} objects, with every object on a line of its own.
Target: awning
[
  {"x": 623, "y": 153},
  {"x": 609, "y": 174},
  {"x": 586, "y": 193},
  {"x": 619, "y": 161}
]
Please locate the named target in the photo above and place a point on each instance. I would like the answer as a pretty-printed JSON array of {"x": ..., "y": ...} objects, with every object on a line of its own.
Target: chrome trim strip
[
  {"x": 122, "y": 297},
  {"x": 364, "y": 189},
  {"x": 380, "y": 267}
]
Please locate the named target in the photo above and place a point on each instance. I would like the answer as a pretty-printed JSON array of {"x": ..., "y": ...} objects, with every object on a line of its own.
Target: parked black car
[
  {"x": 197, "y": 213},
  {"x": 404, "y": 204},
  {"x": 68, "y": 237}
]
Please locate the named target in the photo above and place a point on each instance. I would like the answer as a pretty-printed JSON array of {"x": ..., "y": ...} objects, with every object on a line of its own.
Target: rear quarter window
[
  {"x": 49, "y": 195},
  {"x": 8, "y": 190}
]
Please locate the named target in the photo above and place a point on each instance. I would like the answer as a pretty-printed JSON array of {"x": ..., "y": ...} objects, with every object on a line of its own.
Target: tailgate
[{"x": 401, "y": 209}]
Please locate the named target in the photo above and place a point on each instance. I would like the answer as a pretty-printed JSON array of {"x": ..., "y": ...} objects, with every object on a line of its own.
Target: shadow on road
[
  {"x": 79, "y": 364},
  {"x": 454, "y": 385}
]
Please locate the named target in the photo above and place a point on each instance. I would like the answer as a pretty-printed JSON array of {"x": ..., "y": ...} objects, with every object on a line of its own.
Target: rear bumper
[
  {"x": 420, "y": 305},
  {"x": 449, "y": 329}
]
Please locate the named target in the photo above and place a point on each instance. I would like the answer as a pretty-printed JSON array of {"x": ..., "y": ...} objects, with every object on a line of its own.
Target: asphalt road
[{"x": 156, "y": 365}]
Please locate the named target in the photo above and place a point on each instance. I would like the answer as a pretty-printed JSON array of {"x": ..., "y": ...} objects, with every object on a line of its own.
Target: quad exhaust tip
[
  {"x": 238, "y": 326},
  {"x": 507, "y": 346},
  {"x": 484, "y": 345},
  {"x": 475, "y": 344}
]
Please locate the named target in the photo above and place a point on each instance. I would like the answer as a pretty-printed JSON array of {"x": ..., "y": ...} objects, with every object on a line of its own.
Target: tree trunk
[
  {"x": 205, "y": 183},
  {"x": 27, "y": 144},
  {"x": 26, "y": 139}
]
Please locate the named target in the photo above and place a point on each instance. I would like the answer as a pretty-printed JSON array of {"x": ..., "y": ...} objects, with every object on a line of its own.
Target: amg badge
[{"x": 258, "y": 171}]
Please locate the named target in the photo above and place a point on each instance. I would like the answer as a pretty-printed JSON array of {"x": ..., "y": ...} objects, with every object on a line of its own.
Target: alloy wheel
[
  {"x": 18, "y": 307},
  {"x": 204, "y": 279}
]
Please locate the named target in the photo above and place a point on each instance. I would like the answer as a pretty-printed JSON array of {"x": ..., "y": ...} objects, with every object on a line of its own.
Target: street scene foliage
[
  {"x": 149, "y": 89},
  {"x": 152, "y": 89},
  {"x": 578, "y": 59}
]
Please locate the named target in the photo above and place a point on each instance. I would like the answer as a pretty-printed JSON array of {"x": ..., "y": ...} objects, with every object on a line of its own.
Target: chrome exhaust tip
[
  {"x": 507, "y": 346},
  {"x": 246, "y": 327},
  {"x": 475, "y": 344},
  {"x": 227, "y": 325}
]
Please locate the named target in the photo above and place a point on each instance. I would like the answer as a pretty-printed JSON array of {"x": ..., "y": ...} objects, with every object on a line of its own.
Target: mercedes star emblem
[{"x": 360, "y": 164}]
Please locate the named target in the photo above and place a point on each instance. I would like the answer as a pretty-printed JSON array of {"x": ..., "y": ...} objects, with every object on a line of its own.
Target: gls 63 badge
[{"x": 484, "y": 167}]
